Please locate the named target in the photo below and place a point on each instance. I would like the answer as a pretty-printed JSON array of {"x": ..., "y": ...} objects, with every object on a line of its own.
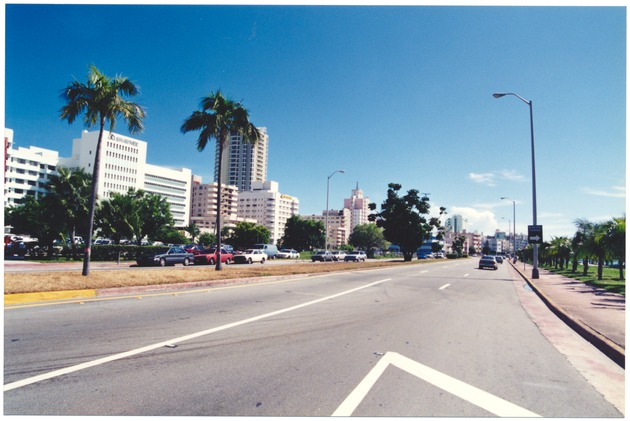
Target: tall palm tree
[
  {"x": 218, "y": 118},
  {"x": 100, "y": 100},
  {"x": 616, "y": 241}
]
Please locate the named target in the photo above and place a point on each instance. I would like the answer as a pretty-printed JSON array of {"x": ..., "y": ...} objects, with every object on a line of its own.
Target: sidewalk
[{"x": 597, "y": 315}]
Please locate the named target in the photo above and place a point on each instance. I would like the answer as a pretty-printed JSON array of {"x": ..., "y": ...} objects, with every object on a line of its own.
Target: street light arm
[{"x": 502, "y": 94}]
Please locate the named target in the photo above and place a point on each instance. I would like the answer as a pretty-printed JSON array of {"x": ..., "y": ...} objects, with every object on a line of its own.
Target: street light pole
[
  {"x": 326, "y": 216},
  {"x": 514, "y": 221},
  {"x": 531, "y": 125}
]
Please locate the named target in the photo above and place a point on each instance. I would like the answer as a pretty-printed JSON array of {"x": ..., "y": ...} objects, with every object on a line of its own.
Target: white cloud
[
  {"x": 482, "y": 221},
  {"x": 615, "y": 191},
  {"x": 489, "y": 178},
  {"x": 485, "y": 178}
]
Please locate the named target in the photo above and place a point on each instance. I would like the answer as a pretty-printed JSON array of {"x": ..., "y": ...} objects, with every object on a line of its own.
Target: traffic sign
[{"x": 534, "y": 234}]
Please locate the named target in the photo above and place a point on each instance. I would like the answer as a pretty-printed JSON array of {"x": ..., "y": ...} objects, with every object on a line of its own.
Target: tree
[
  {"x": 616, "y": 241},
  {"x": 193, "y": 230},
  {"x": 37, "y": 218},
  {"x": 115, "y": 216},
  {"x": 367, "y": 237},
  {"x": 246, "y": 234},
  {"x": 403, "y": 220},
  {"x": 100, "y": 100},
  {"x": 303, "y": 234},
  {"x": 68, "y": 193},
  {"x": 560, "y": 251},
  {"x": 206, "y": 239},
  {"x": 458, "y": 244},
  {"x": 218, "y": 119}
]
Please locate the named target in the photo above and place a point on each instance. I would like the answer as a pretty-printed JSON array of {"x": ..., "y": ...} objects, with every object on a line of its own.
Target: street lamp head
[{"x": 498, "y": 95}]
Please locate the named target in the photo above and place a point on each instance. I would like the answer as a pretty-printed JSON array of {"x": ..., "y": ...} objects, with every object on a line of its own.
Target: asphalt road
[{"x": 444, "y": 339}]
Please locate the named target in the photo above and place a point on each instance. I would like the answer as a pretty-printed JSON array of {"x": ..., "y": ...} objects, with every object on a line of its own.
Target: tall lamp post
[
  {"x": 531, "y": 125},
  {"x": 327, "y": 194},
  {"x": 514, "y": 221}
]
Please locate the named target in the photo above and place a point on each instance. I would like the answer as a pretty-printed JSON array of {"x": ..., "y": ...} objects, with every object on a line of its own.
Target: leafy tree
[
  {"x": 193, "y": 230},
  {"x": 68, "y": 192},
  {"x": 560, "y": 251},
  {"x": 246, "y": 234},
  {"x": 303, "y": 234},
  {"x": 170, "y": 235},
  {"x": 616, "y": 241},
  {"x": 206, "y": 239},
  {"x": 218, "y": 119},
  {"x": 403, "y": 219},
  {"x": 115, "y": 217},
  {"x": 367, "y": 237},
  {"x": 37, "y": 218},
  {"x": 154, "y": 215},
  {"x": 458, "y": 244},
  {"x": 100, "y": 100}
]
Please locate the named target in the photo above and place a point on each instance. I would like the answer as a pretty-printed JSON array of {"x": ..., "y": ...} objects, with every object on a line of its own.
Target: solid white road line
[
  {"x": 445, "y": 286},
  {"x": 170, "y": 342},
  {"x": 475, "y": 396}
]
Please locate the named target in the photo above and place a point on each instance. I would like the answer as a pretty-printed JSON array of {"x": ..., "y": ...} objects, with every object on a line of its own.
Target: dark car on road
[
  {"x": 488, "y": 262},
  {"x": 166, "y": 256}
]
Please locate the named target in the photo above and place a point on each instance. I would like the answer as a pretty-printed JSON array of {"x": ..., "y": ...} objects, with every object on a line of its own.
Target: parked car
[
  {"x": 339, "y": 255},
  {"x": 355, "y": 256},
  {"x": 288, "y": 254},
  {"x": 166, "y": 256},
  {"x": 209, "y": 257},
  {"x": 192, "y": 248},
  {"x": 269, "y": 249},
  {"x": 488, "y": 262},
  {"x": 250, "y": 256},
  {"x": 323, "y": 256}
]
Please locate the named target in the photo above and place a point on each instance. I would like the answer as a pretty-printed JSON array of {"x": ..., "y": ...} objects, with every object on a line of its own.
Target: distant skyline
[{"x": 389, "y": 94}]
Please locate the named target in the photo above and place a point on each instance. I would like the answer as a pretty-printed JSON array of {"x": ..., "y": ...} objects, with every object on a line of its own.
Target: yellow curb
[{"x": 48, "y": 296}]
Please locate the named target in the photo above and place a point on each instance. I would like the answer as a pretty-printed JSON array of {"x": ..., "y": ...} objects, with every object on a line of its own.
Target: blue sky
[{"x": 388, "y": 94}]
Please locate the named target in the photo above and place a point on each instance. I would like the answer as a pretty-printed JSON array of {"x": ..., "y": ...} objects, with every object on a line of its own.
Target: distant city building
[
  {"x": 454, "y": 224},
  {"x": 358, "y": 207},
  {"x": 264, "y": 203},
  {"x": 203, "y": 206},
  {"x": 243, "y": 163},
  {"x": 26, "y": 170},
  {"x": 123, "y": 166},
  {"x": 338, "y": 226}
]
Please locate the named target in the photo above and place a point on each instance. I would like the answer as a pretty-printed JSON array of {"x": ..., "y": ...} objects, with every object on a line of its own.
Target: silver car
[{"x": 355, "y": 256}]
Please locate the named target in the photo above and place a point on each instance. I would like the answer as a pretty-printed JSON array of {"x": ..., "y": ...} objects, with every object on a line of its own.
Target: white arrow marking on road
[
  {"x": 478, "y": 397},
  {"x": 174, "y": 341}
]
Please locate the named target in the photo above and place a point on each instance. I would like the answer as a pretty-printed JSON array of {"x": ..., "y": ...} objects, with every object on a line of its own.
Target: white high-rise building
[
  {"x": 268, "y": 207},
  {"x": 243, "y": 163},
  {"x": 203, "y": 210},
  {"x": 123, "y": 166},
  {"x": 455, "y": 224},
  {"x": 26, "y": 170}
]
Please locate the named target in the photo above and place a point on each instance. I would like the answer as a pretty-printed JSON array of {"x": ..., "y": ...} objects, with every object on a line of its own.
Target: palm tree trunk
[
  {"x": 222, "y": 142},
  {"x": 88, "y": 241}
]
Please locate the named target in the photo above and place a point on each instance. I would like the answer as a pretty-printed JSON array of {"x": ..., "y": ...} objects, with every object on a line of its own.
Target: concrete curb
[
  {"x": 609, "y": 348},
  {"x": 30, "y": 297}
]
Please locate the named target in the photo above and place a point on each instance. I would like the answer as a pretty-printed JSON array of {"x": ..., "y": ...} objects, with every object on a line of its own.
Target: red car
[
  {"x": 209, "y": 257},
  {"x": 192, "y": 248}
]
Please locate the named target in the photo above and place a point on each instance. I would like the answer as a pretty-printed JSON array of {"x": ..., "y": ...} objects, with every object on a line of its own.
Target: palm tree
[
  {"x": 616, "y": 241},
  {"x": 218, "y": 119},
  {"x": 70, "y": 189},
  {"x": 100, "y": 100}
]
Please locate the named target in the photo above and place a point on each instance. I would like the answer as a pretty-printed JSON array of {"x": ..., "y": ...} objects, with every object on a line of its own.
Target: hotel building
[{"x": 243, "y": 163}]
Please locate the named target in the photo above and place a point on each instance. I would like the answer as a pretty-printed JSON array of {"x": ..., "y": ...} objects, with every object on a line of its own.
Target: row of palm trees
[
  {"x": 593, "y": 241},
  {"x": 102, "y": 100}
]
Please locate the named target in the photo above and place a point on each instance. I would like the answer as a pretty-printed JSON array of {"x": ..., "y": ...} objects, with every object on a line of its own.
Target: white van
[{"x": 269, "y": 249}]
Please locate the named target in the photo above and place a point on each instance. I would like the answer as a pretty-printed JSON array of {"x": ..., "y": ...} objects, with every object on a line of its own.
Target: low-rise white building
[
  {"x": 26, "y": 170},
  {"x": 268, "y": 207},
  {"x": 203, "y": 208}
]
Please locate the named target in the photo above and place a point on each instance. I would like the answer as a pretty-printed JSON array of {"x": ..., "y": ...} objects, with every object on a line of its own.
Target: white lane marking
[
  {"x": 171, "y": 342},
  {"x": 478, "y": 397},
  {"x": 466, "y": 274},
  {"x": 445, "y": 286},
  {"x": 423, "y": 271}
]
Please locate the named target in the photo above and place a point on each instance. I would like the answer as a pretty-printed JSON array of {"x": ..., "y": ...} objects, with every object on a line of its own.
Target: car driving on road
[
  {"x": 488, "y": 262},
  {"x": 166, "y": 256}
]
